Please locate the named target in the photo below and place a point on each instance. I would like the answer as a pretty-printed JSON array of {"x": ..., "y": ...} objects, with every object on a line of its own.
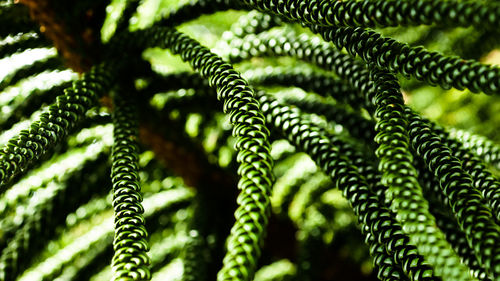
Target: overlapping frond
[{"x": 243, "y": 175}]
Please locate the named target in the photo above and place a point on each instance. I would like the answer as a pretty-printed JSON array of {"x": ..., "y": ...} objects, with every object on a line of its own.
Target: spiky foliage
[{"x": 215, "y": 174}]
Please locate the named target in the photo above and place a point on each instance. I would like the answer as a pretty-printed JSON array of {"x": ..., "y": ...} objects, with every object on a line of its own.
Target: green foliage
[{"x": 250, "y": 139}]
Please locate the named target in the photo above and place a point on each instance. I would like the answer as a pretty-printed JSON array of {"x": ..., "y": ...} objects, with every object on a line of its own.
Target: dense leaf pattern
[
  {"x": 426, "y": 198},
  {"x": 130, "y": 259}
]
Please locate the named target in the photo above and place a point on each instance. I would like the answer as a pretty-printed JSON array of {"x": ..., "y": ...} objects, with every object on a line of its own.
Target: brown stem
[{"x": 78, "y": 39}]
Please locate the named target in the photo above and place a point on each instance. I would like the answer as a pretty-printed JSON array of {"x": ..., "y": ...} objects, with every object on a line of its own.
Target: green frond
[
  {"x": 249, "y": 140},
  {"x": 130, "y": 259},
  {"x": 54, "y": 125},
  {"x": 309, "y": 138}
]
